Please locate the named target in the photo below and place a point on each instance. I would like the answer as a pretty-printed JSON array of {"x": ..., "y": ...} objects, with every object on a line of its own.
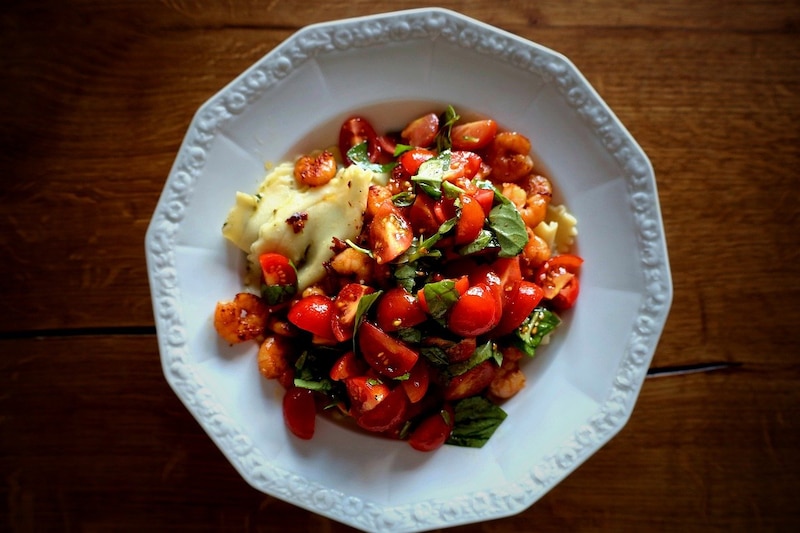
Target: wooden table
[{"x": 96, "y": 98}]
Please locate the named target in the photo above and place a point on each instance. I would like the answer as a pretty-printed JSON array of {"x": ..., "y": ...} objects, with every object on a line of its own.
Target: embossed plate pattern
[{"x": 581, "y": 389}]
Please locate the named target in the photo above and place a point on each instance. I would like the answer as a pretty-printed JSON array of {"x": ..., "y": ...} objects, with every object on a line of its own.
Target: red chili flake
[{"x": 297, "y": 221}]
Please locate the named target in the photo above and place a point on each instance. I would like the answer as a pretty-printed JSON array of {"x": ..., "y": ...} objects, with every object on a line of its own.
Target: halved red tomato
[
  {"x": 421, "y": 132},
  {"x": 345, "y": 306},
  {"x": 520, "y": 301},
  {"x": 388, "y": 414},
  {"x": 463, "y": 165},
  {"x": 386, "y": 355},
  {"x": 473, "y": 135},
  {"x": 347, "y": 366},
  {"x": 390, "y": 233},
  {"x": 475, "y": 313},
  {"x": 485, "y": 197},
  {"x": 365, "y": 393},
  {"x": 422, "y": 216},
  {"x": 433, "y": 431},
  {"x": 471, "y": 382},
  {"x": 556, "y": 274},
  {"x": 300, "y": 412},
  {"x": 354, "y": 131},
  {"x": 313, "y": 313},
  {"x": 470, "y": 222},
  {"x": 411, "y": 161},
  {"x": 416, "y": 386},
  {"x": 279, "y": 277},
  {"x": 397, "y": 309}
]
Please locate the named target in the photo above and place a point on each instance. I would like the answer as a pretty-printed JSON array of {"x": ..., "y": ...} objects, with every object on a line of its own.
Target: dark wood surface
[{"x": 96, "y": 97}]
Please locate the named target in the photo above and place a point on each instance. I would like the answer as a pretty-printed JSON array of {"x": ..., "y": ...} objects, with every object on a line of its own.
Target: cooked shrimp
[
  {"x": 351, "y": 262},
  {"x": 536, "y": 252},
  {"x": 515, "y": 194},
  {"x": 273, "y": 356},
  {"x": 242, "y": 319},
  {"x": 508, "y": 381},
  {"x": 508, "y": 155},
  {"x": 315, "y": 170},
  {"x": 375, "y": 197}
]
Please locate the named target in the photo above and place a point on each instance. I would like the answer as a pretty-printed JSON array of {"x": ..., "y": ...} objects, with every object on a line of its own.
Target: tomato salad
[{"x": 419, "y": 326}]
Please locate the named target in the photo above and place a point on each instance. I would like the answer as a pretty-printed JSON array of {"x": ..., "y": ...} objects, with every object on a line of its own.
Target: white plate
[{"x": 581, "y": 389}]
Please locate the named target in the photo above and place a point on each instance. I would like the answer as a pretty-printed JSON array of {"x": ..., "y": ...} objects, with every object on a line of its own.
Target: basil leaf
[
  {"x": 430, "y": 174},
  {"x": 443, "y": 141},
  {"x": 364, "y": 304},
  {"x": 436, "y": 355},
  {"x": 440, "y": 297},
  {"x": 476, "y": 420},
  {"x": 482, "y": 353},
  {"x": 528, "y": 336},
  {"x": 485, "y": 239},
  {"x": 509, "y": 229},
  {"x": 400, "y": 149},
  {"x": 359, "y": 155},
  {"x": 403, "y": 199},
  {"x": 409, "y": 335},
  {"x": 277, "y": 294}
]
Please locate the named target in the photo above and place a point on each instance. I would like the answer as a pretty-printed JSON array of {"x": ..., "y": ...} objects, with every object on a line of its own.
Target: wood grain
[{"x": 96, "y": 98}]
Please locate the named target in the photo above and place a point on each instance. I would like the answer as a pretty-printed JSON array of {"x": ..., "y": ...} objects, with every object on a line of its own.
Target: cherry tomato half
[
  {"x": 475, "y": 312},
  {"x": 411, "y": 161},
  {"x": 345, "y": 306},
  {"x": 300, "y": 412},
  {"x": 365, "y": 393},
  {"x": 313, "y": 313},
  {"x": 556, "y": 273},
  {"x": 385, "y": 354},
  {"x": 388, "y": 414},
  {"x": 416, "y": 386},
  {"x": 421, "y": 132},
  {"x": 473, "y": 135},
  {"x": 390, "y": 233},
  {"x": 470, "y": 223},
  {"x": 397, "y": 309},
  {"x": 520, "y": 301},
  {"x": 471, "y": 382},
  {"x": 347, "y": 366},
  {"x": 433, "y": 431},
  {"x": 355, "y": 131}
]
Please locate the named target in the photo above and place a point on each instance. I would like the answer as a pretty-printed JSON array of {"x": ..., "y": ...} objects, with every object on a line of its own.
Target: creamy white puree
[{"x": 260, "y": 222}]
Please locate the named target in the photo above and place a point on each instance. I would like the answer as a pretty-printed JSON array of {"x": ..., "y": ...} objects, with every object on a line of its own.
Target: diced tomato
[
  {"x": 347, "y": 366},
  {"x": 385, "y": 354},
  {"x": 313, "y": 313},
  {"x": 345, "y": 306},
  {"x": 470, "y": 223},
  {"x": 397, "y": 309},
  {"x": 421, "y": 132},
  {"x": 473, "y": 135},
  {"x": 485, "y": 197},
  {"x": 365, "y": 393},
  {"x": 471, "y": 382},
  {"x": 388, "y": 414},
  {"x": 300, "y": 412},
  {"x": 475, "y": 313},
  {"x": 556, "y": 273},
  {"x": 387, "y": 144},
  {"x": 508, "y": 270},
  {"x": 567, "y": 296},
  {"x": 277, "y": 269},
  {"x": 355, "y": 131},
  {"x": 416, "y": 386},
  {"x": 463, "y": 165},
  {"x": 488, "y": 276},
  {"x": 434, "y": 431},
  {"x": 411, "y": 161},
  {"x": 390, "y": 233},
  {"x": 520, "y": 301},
  {"x": 422, "y": 216}
]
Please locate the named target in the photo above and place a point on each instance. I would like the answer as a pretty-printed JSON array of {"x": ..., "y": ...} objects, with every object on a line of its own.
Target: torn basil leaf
[
  {"x": 509, "y": 229},
  {"x": 277, "y": 294},
  {"x": 430, "y": 174},
  {"x": 359, "y": 156},
  {"x": 540, "y": 323},
  {"x": 440, "y": 297},
  {"x": 476, "y": 420}
]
